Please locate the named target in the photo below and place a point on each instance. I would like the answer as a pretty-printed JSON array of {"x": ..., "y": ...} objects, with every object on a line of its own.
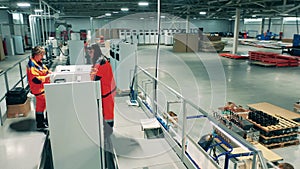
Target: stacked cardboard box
[
  {"x": 185, "y": 42},
  {"x": 19, "y": 110},
  {"x": 211, "y": 44}
]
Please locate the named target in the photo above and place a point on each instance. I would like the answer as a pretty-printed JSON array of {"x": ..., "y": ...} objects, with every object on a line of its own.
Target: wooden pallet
[
  {"x": 283, "y": 144},
  {"x": 283, "y": 124},
  {"x": 279, "y": 136},
  {"x": 232, "y": 56},
  {"x": 262, "y": 64}
]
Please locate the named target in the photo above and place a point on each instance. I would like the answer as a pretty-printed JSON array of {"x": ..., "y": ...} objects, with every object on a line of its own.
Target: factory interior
[{"x": 199, "y": 84}]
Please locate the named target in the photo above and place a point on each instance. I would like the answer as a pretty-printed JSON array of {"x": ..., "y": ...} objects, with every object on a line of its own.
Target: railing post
[
  {"x": 184, "y": 120},
  {"x": 6, "y": 81},
  {"x": 1, "y": 120},
  {"x": 154, "y": 98},
  {"x": 21, "y": 74},
  {"x": 254, "y": 161},
  {"x": 168, "y": 109},
  {"x": 261, "y": 159}
]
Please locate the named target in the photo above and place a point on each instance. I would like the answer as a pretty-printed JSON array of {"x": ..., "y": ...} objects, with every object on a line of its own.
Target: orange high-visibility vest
[
  {"x": 36, "y": 72},
  {"x": 102, "y": 71}
]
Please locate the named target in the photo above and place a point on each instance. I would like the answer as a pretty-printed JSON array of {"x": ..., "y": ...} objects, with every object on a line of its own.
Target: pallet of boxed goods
[{"x": 276, "y": 129}]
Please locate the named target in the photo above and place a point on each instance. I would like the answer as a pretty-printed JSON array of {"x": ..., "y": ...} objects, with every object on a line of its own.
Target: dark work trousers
[{"x": 108, "y": 147}]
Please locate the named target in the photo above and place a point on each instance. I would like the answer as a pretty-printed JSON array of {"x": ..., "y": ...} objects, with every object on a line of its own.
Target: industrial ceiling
[{"x": 215, "y": 9}]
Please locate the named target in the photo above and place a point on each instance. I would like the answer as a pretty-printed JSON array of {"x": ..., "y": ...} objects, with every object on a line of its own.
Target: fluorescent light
[
  {"x": 3, "y": 7},
  {"x": 253, "y": 16},
  {"x": 246, "y": 20},
  {"x": 202, "y": 13},
  {"x": 162, "y": 16},
  {"x": 38, "y": 10},
  {"x": 23, "y": 4},
  {"x": 124, "y": 9},
  {"x": 284, "y": 14},
  {"x": 142, "y": 18},
  {"x": 291, "y": 19},
  {"x": 115, "y": 12},
  {"x": 108, "y": 14},
  {"x": 143, "y": 3},
  {"x": 101, "y": 16}
]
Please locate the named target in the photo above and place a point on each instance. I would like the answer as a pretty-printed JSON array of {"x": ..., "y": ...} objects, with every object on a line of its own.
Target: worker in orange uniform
[
  {"x": 102, "y": 71},
  {"x": 285, "y": 166},
  {"x": 37, "y": 75}
]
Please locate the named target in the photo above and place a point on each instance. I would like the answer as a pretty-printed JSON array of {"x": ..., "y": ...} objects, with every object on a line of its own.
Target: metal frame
[
  {"x": 257, "y": 154},
  {"x": 7, "y": 86}
]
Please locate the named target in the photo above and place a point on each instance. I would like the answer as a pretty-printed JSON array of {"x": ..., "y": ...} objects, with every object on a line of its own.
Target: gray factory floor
[{"x": 209, "y": 81}]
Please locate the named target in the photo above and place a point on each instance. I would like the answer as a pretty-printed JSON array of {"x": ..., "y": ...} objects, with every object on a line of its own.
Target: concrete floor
[{"x": 210, "y": 81}]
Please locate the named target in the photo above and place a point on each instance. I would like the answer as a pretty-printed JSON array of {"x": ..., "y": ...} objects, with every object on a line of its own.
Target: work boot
[
  {"x": 46, "y": 119},
  {"x": 40, "y": 124}
]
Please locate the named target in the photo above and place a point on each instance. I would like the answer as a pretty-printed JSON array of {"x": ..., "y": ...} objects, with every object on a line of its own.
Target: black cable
[{"x": 62, "y": 51}]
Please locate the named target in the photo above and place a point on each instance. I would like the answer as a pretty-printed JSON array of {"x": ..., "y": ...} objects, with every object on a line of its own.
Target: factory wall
[
  {"x": 289, "y": 28},
  {"x": 150, "y": 24},
  {"x": 79, "y": 23},
  {"x": 213, "y": 25},
  {"x": 4, "y": 17},
  {"x": 136, "y": 23},
  {"x": 4, "y": 21}
]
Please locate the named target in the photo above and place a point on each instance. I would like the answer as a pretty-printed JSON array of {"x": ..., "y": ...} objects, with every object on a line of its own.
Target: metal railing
[
  {"x": 258, "y": 160},
  {"x": 10, "y": 78}
]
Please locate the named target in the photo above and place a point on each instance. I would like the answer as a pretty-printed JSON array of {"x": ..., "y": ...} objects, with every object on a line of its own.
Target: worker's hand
[{"x": 48, "y": 75}]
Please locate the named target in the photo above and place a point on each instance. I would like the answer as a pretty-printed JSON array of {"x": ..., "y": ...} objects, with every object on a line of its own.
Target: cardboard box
[
  {"x": 179, "y": 46},
  {"x": 19, "y": 110},
  {"x": 192, "y": 43},
  {"x": 185, "y": 42},
  {"x": 287, "y": 40}
]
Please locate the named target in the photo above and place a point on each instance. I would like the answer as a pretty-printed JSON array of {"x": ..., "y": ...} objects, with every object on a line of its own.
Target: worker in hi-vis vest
[
  {"x": 102, "y": 70},
  {"x": 37, "y": 75}
]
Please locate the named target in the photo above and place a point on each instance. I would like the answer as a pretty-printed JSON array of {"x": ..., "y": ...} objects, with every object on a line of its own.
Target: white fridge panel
[
  {"x": 76, "y": 52},
  {"x": 74, "y": 124}
]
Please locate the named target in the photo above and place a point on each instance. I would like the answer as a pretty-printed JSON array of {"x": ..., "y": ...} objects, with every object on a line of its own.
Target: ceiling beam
[{"x": 292, "y": 9}]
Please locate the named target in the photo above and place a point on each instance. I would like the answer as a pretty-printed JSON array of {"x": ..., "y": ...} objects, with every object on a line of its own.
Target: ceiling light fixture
[
  {"x": 101, "y": 16},
  {"x": 202, "y": 13},
  {"x": 124, "y": 9},
  {"x": 143, "y": 3},
  {"x": 284, "y": 14},
  {"x": 142, "y": 18},
  {"x": 3, "y": 7},
  {"x": 23, "y": 4},
  {"x": 162, "y": 16},
  {"x": 253, "y": 16},
  {"x": 115, "y": 12},
  {"x": 38, "y": 10},
  {"x": 108, "y": 14}
]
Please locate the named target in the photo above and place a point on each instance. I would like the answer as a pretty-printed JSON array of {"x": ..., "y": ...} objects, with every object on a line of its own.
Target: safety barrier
[
  {"x": 176, "y": 129},
  {"x": 9, "y": 79}
]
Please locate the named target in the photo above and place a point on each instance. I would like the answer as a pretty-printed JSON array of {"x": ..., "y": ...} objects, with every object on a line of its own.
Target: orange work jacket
[{"x": 36, "y": 75}]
